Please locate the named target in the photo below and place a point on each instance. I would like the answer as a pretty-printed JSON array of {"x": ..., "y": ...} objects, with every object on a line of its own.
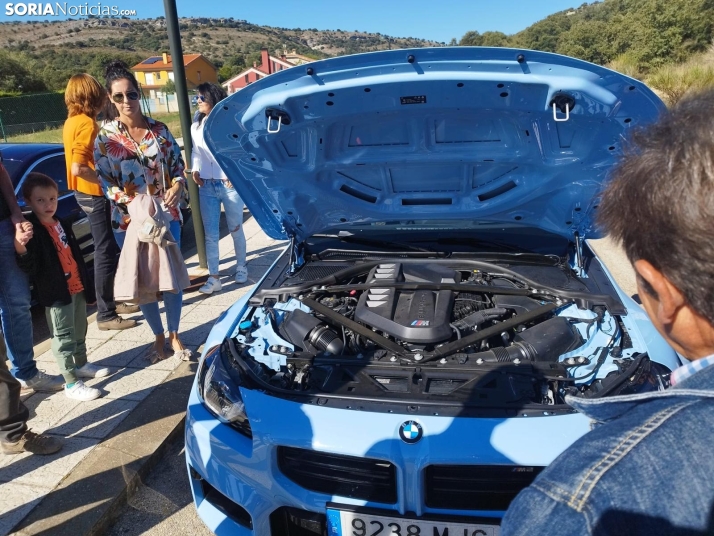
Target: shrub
[{"x": 675, "y": 81}]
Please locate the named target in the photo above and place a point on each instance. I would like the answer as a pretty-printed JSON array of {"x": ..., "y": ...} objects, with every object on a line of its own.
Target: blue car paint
[
  {"x": 245, "y": 469},
  {"x": 489, "y": 150}
]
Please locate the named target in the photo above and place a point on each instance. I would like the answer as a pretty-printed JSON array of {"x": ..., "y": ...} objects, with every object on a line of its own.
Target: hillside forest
[{"x": 666, "y": 43}]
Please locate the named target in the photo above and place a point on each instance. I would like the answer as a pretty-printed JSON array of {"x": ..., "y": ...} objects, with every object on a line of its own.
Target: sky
[{"x": 438, "y": 20}]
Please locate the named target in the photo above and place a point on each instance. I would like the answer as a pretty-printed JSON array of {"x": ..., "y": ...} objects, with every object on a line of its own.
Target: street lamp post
[{"x": 185, "y": 117}]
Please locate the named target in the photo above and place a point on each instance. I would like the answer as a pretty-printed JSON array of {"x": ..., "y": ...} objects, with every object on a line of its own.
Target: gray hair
[{"x": 660, "y": 202}]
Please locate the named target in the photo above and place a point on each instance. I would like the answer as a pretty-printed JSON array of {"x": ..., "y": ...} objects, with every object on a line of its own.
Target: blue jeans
[
  {"x": 15, "y": 307},
  {"x": 172, "y": 301},
  {"x": 211, "y": 195}
]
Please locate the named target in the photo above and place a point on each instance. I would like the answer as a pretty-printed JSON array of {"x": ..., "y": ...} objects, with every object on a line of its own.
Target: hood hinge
[{"x": 296, "y": 254}]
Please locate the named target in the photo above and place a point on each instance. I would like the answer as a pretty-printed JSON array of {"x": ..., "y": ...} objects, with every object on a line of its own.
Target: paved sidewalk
[{"x": 89, "y": 427}]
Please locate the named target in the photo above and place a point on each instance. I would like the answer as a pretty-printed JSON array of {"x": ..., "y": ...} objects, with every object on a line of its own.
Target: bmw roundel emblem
[{"x": 410, "y": 432}]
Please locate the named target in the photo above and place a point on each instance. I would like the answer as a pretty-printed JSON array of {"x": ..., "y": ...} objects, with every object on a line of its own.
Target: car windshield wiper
[{"x": 352, "y": 239}]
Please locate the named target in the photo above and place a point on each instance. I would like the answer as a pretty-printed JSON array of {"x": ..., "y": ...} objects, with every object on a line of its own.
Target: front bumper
[{"x": 240, "y": 485}]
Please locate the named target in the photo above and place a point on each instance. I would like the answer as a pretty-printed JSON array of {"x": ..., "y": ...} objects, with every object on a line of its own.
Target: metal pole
[
  {"x": 2, "y": 128},
  {"x": 185, "y": 116}
]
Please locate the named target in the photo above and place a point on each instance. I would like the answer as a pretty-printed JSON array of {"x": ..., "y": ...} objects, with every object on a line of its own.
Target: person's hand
[
  {"x": 23, "y": 230},
  {"x": 172, "y": 195},
  {"x": 196, "y": 176}
]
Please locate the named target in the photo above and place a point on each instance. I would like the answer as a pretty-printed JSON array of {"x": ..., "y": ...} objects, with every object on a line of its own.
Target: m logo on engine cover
[{"x": 410, "y": 432}]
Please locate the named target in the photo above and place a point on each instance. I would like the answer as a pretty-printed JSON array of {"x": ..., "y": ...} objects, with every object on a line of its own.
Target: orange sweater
[{"x": 78, "y": 136}]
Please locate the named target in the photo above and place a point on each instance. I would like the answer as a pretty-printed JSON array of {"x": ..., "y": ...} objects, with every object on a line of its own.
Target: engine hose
[{"x": 469, "y": 340}]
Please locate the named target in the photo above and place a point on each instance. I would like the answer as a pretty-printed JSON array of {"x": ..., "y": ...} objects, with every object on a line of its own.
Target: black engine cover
[{"x": 416, "y": 316}]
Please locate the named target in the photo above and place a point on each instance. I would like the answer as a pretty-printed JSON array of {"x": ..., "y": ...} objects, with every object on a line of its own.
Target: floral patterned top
[{"x": 126, "y": 168}]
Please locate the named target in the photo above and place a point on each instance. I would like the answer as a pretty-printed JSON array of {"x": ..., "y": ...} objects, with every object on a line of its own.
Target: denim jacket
[{"x": 647, "y": 468}]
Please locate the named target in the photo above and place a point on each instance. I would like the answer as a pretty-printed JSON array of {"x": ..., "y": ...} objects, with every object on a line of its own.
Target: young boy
[{"x": 54, "y": 262}]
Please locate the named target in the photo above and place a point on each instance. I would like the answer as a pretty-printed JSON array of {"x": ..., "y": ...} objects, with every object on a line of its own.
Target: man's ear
[{"x": 669, "y": 299}]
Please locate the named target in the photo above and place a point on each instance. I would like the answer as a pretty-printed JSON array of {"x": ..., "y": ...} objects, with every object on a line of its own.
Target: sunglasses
[
  {"x": 119, "y": 97},
  {"x": 201, "y": 98}
]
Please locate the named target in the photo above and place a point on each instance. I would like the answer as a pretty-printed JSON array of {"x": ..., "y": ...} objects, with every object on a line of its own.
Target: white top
[{"x": 201, "y": 158}]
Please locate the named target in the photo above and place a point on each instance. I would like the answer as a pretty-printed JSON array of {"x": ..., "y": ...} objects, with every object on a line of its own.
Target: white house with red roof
[{"x": 268, "y": 65}]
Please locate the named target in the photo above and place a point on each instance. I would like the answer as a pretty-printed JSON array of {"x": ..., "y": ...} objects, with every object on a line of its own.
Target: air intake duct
[
  {"x": 304, "y": 330},
  {"x": 546, "y": 341}
]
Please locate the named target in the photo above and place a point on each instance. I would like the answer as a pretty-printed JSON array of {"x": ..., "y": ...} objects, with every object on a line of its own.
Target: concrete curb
[{"x": 90, "y": 498}]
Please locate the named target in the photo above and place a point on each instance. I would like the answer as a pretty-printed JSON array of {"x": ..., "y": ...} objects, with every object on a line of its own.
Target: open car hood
[{"x": 428, "y": 134}]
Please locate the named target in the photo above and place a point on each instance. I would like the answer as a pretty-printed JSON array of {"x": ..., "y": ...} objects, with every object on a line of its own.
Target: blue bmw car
[{"x": 403, "y": 368}]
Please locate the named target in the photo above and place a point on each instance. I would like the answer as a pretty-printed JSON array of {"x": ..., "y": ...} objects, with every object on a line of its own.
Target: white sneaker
[
  {"x": 212, "y": 285},
  {"x": 88, "y": 370},
  {"x": 241, "y": 274},
  {"x": 79, "y": 391}
]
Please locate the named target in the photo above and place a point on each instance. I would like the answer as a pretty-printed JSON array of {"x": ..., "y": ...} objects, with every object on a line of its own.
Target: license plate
[{"x": 347, "y": 523}]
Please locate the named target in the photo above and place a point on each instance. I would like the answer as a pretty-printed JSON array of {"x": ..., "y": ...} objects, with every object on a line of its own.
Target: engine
[
  {"x": 418, "y": 315},
  {"x": 472, "y": 336}
]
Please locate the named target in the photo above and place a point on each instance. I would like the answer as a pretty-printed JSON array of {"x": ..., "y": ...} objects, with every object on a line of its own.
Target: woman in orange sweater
[{"x": 85, "y": 97}]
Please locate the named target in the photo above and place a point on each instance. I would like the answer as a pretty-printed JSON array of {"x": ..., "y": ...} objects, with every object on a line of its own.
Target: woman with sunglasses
[
  {"x": 134, "y": 155},
  {"x": 215, "y": 188}
]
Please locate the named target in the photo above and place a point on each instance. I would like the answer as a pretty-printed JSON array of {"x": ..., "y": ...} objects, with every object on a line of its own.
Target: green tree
[
  {"x": 169, "y": 87},
  {"x": 494, "y": 39},
  {"x": 471, "y": 39},
  {"x": 16, "y": 77}
]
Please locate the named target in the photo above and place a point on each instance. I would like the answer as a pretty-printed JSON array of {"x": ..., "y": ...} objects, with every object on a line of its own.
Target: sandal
[
  {"x": 154, "y": 356},
  {"x": 183, "y": 355}
]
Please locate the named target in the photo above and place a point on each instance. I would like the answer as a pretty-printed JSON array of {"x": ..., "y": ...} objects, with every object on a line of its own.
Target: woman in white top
[{"x": 214, "y": 189}]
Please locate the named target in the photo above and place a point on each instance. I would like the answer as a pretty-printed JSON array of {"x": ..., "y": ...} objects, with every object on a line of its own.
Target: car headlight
[{"x": 219, "y": 390}]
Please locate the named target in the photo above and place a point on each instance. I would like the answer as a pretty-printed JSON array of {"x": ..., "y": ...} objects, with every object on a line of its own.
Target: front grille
[
  {"x": 346, "y": 476},
  {"x": 476, "y": 487},
  {"x": 222, "y": 503},
  {"x": 287, "y": 521}
]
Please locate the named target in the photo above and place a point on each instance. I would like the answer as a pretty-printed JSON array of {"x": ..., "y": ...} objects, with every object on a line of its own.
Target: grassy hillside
[
  {"x": 640, "y": 34},
  {"x": 36, "y": 56}
]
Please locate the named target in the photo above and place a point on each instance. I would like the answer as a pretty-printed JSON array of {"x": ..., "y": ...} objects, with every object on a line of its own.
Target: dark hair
[
  {"x": 116, "y": 70},
  {"x": 37, "y": 180},
  {"x": 660, "y": 203},
  {"x": 213, "y": 95}
]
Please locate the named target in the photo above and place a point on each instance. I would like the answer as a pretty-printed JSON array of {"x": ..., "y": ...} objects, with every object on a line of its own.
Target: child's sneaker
[
  {"x": 79, "y": 391},
  {"x": 241, "y": 274},
  {"x": 212, "y": 285},
  {"x": 88, "y": 370}
]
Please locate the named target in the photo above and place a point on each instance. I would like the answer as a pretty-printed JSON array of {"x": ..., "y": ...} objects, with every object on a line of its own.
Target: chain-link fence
[
  {"x": 31, "y": 113},
  {"x": 42, "y": 111}
]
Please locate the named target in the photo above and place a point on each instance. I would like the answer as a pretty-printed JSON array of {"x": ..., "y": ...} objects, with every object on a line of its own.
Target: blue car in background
[
  {"x": 403, "y": 367},
  {"x": 22, "y": 158}
]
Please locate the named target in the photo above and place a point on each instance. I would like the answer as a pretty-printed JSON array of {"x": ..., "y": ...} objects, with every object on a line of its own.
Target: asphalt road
[{"x": 163, "y": 504}]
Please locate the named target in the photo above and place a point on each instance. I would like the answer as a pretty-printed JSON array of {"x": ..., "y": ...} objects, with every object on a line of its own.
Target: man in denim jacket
[{"x": 647, "y": 467}]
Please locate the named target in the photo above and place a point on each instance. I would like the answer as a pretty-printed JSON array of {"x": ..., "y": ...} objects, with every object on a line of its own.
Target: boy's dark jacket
[{"x": 42, "y": 264}]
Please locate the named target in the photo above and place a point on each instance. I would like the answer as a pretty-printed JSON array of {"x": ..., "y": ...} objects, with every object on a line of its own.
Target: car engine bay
[{"x": 447, "y": 335}]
